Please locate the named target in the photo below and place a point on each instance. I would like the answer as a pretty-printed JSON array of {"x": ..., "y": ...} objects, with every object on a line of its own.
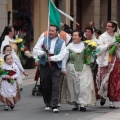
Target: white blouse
[{"x": 77, "y": 48}]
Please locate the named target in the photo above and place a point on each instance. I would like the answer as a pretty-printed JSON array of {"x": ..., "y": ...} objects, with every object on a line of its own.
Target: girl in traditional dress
[
  {"x": 108, "y": 76},
  {"x": 80, "y": 85},
  {"x": 9, "y": 91},
  {"x": 8, "y": 50}
]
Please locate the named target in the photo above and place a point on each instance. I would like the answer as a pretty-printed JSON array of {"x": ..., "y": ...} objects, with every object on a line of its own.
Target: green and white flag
[{"x": 54, "y": 15}]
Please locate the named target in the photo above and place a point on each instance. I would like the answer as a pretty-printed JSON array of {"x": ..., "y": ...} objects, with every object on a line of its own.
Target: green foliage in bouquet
[
  {"x": 4, "y": 72},
  {"x": 113, "y": 48}
]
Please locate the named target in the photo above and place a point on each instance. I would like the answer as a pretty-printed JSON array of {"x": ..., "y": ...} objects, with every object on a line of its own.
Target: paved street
[{"x": 32, "y": 108}]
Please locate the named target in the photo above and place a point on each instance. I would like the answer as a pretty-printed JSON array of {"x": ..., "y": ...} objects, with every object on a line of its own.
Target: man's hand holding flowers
[
  {"x": 46, "y": 52},
  {"x": 48, "y": 59}
]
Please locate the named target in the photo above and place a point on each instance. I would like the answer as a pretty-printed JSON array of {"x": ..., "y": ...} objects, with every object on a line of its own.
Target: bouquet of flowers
[
  {"x": 47, "y": 54},
  {"x": 90, "y": 50},
  {"x": 29, "y": 54},
  {"x": 113, "y": 48},
  {"x": 4, "y": 72},
  {"x": 19, "y": 42}
]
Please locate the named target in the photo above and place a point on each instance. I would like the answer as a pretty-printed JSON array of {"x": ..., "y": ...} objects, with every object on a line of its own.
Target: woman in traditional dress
[
  {"x": 8, "y": 40},
  {"x": 79, "y": 76},
  {"x": 108, "y": 76},
  {"x": 9, "y": 91}
]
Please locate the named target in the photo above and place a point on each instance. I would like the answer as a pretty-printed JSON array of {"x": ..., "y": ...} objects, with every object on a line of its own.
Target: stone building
[{"x": 83, "y": 11}]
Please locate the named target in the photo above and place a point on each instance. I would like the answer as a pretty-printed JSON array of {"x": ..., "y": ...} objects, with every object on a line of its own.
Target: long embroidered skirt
[{"x": 114, "y": 82}]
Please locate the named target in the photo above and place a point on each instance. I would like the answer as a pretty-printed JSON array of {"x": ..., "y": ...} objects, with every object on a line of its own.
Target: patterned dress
[{"x": 108, "y": 76}]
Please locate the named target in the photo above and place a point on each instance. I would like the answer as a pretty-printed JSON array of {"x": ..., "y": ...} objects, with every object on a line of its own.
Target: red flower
[
  {"x": 43, "y": 46},
  {"x": 26, "y": 49}
]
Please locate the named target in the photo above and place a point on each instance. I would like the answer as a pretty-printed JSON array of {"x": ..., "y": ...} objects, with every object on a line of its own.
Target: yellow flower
[
  {"x": 22, "y": 49},
  {"x": 19, "y": 40},
  {"x": 1, "y": 61},
  {"x": 87, "y": 41}
]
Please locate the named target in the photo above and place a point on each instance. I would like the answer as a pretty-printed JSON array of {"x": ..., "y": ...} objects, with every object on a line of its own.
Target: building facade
[{"x": 83, "y": 11}]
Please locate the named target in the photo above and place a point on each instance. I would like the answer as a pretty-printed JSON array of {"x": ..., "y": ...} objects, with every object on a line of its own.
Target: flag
[
  {"x": 63, "y": 13},
  {"x": 54, "y": 15}
]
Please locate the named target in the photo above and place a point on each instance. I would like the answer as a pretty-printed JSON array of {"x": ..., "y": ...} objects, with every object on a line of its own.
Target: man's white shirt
[{"x": 38, "y": 50}]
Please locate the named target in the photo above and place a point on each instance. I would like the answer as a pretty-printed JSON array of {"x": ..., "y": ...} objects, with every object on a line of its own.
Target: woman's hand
[
  {"x": 25, "y": 73},
  {"x": 64, "y": 73},
  {"x": 117, "y": 45},
  {"x": 109, "y": 46},
  {"x": 89, "y": 56},
  {"x": 8, "y": 77}
]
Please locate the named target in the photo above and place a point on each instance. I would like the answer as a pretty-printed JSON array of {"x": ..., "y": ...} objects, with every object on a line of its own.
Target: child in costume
[
  {"x": 9, "y": 90},
  {"x": 8, "y": 50}
]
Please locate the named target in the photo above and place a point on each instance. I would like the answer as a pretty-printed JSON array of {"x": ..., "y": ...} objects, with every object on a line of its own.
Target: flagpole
[
  {"x": 48, "y": 34},
  {"x": 48, "y": 22}
]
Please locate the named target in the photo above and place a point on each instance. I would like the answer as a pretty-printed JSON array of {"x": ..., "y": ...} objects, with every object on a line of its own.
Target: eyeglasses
[{"x": 109, "y": 26}]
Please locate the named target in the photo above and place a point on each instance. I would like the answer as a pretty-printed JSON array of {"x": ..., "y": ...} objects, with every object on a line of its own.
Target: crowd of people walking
[
  {"x": 66, "y": 77},
  {"x": 79, "y": 84}
]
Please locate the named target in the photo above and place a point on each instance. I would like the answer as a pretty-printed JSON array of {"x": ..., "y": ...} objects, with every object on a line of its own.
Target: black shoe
[
  {"x": 21, "y": 89},
  {"x": 102, "y": 101},
  {"x": 112, "y": 106},
  {"x": 12, "y": 106},
  {"x": 55, "y": 110},
  {"x": 83, "y": 109},
  {"x": 75, "y": 108}
]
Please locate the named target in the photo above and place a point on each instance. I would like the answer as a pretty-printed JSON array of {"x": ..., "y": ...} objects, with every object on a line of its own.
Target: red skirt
[{"x": 114, "y": 83}]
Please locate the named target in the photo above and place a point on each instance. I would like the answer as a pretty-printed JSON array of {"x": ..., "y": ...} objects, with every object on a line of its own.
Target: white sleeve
[
  {"x": 16, "y": 76},
  {"x": 37, "y": 50},
  {"x": 68, "y": 38},
  {"x": 64, "y": 61},
  {"x": 18, "y": 63},
  {"x": 101, "y": 45},
  {"x": 61, "y": 55}
]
